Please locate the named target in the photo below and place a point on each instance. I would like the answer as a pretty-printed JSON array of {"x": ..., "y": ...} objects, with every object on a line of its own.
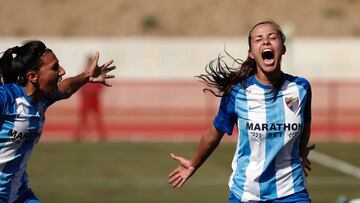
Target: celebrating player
[
  {"x": 272, "y": 111},
  {"x": 32, "y": 81}
]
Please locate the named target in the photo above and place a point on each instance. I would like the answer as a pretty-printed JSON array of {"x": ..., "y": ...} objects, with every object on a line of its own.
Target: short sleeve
[
  {"x": 2, "y": 99},
  {"x": 57, "y": 97},
  {"x": 226, "y": 117},
  {"x": 307, "y": 109}
]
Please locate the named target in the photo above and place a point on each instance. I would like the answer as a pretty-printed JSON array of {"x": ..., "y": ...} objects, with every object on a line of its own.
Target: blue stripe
[
  {"x": 243, "y": 149},
  {"x": 296, "y": 165},
  {"x": 274, "y": 143},
  {"x": 13, "y": 166},
  {"x": 9, "y": 118}
]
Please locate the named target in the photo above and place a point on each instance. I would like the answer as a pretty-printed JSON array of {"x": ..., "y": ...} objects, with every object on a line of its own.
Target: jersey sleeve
[
  {"x": 226, "y": 117},
  {"x": 307, "y": 110},
  {"x": 57, "y": 97},
  {"x": 2, "y": 100}
]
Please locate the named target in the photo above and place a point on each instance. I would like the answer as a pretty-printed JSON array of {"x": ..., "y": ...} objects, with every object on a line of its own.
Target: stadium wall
[{"x": 155, "y": 94}]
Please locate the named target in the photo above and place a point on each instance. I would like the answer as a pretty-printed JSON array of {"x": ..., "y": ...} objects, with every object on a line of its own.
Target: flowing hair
[{"x": 221, "y": 78}]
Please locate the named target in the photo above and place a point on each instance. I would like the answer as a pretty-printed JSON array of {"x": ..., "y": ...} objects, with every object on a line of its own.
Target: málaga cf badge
[{"x": 292, "y": 103}]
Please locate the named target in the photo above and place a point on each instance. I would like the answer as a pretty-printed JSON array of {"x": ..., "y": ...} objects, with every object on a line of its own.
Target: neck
[
  {"x": 32, "y": 92},
  {"x": 270, "y": 79}
]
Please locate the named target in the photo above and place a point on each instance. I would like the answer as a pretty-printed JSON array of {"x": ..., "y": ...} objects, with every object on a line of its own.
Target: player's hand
[
  {"x": 306, "y": 162},
  {"x": 99, "y": 74},
  {"x": 182, "y": 173}
]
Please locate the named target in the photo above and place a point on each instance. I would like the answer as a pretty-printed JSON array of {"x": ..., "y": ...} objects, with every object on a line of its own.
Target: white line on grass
[
  {"x": 334, "y": 163},
  {"x": 140, "y": 182}
]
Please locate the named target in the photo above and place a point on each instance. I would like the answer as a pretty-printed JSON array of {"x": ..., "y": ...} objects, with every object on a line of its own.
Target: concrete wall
[{"x": 182, "y": 58}]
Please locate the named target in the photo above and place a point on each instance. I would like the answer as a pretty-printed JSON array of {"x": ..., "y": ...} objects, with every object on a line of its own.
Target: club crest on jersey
[{"x": 292, "y": 103}]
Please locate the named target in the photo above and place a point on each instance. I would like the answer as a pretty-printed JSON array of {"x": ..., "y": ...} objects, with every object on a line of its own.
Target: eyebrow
[
  {"x": 55, "y": 64},
  {"x": 268, "y": 34}
]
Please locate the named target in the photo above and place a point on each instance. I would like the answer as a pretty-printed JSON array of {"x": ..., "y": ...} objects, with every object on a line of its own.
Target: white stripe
[
  {"x": 284, "y": 179},
  {"x": 20, "y": 125},
  {"x": 234, "y": 163},
  {"x": 334, "y": 163},
  {"x": 255, "y": 98},
  {"x": 17, "y": 181}
]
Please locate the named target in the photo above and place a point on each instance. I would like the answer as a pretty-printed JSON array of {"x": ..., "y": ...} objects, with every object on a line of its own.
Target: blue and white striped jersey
[
  {"x": 266, "y": 164},
  {"x": 21, "y": 124}
]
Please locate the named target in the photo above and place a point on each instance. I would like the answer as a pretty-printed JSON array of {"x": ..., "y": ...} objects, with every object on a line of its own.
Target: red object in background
[
  {"x": 90, "y": 107},
  {"x": 90, "y": 97},
  {"x": 179, "y": 110}
]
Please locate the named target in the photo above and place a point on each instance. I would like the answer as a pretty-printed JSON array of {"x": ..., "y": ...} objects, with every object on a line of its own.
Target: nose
[
  {"x": 61, "y": 71},
  {"x": 266, "y": 41}
]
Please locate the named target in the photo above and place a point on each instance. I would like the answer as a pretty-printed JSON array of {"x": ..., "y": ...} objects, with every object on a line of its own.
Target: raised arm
[
  {"x": 94, "y": 73},
  {"x": 209, "y": 141}
]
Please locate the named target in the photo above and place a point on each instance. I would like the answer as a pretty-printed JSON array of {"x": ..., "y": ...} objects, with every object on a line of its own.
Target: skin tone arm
[
  {"x": 208, "y": 143},
  {"x": 304, "y": 149},
  {"x": 94, "y": 74}
]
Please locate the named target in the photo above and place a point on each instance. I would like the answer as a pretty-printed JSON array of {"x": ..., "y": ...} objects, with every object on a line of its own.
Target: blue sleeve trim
[
  {"x": 307, "y": 110},
  {"x": 226, "y": 117},
  {"x": 2, "y": 99},
  {"x": 57, "y": 97}
]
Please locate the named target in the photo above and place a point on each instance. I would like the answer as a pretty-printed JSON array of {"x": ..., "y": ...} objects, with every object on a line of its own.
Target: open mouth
[{"x": 268, "y": 56}]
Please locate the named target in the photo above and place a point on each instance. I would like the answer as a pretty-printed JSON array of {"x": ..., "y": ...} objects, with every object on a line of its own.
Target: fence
[{"x": 173, "y": 110}]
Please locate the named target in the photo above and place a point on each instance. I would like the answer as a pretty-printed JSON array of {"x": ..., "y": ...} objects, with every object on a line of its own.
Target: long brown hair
[{"x": 221, "y": 78}]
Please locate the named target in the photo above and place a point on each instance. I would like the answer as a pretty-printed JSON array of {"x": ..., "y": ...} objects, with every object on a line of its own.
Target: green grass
[{"x": 137, "y": 172}]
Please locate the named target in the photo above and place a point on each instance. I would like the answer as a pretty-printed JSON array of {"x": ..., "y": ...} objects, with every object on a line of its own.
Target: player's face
[
  {"x": 49, "y": 74},
  {"x": 266, "y": 48}
]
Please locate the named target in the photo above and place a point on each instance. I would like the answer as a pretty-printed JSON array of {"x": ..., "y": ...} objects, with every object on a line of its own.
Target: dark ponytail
[
  {"x": 223, "y": 78},
  {"x": 17, "y": 61}
]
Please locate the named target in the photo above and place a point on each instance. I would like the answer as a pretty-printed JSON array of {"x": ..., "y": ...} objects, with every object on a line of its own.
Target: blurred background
[{"x": 119, "y": 150}]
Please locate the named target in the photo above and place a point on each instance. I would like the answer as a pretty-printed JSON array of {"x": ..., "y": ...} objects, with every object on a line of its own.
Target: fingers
[
  {"x": 177, "y": 158},
  {"x": 109, "y": 76},
  {"x": 108, "y": 69},
  {"x": 174, "y": 172},
  {"x": 108, "y": 63},
  {"x": 174, "y": 177},
  {"x": 307, "y": 165},
  {"x": 179, "y": 176},
  {"x": 107, "y": 84},
  {"x": 311, "y": 147},
  {"x": 182, "y": 182},
  {"x": 96, "y": 58},
  {"x": 173, "y": 156},
  {"x": 176, "y": 182}
]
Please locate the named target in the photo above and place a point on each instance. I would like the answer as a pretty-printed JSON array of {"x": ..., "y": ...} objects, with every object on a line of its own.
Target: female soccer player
[
  {"x": 272, "y": 111},
  {"x": 32, "y": 81}
]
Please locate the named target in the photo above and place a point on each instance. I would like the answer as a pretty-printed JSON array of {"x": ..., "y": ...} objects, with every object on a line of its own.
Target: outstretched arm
[
  {"x": 94, "y": 73},
  {"x": 209, "y": 141}
]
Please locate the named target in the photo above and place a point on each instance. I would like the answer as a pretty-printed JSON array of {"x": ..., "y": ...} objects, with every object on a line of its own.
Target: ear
[
  {"x": 284, "y": 50},
  {"x": 32, "y": 76},
  {"x": 251, "y": 55}
]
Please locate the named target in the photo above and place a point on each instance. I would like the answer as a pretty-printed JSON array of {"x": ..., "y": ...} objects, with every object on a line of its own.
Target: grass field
[{"x": 137, "y": 173}]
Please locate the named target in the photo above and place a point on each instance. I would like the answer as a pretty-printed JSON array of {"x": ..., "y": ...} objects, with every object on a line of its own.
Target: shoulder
[
  {"x": 300, "y": 81},
  {"x": 8, "y": 94},
  {"x": 10, "y": 90},
  {"x": 249, "y": 81}
]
